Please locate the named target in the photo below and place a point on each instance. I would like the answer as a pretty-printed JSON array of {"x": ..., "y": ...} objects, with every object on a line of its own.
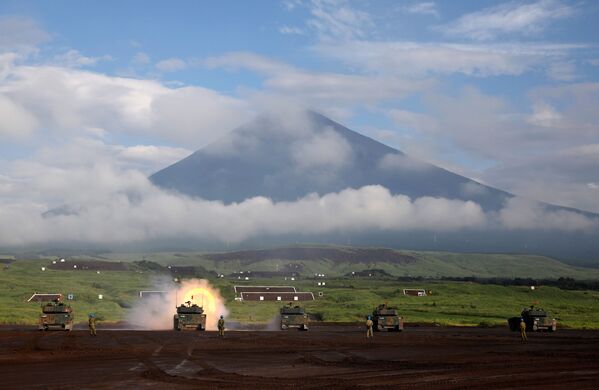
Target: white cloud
[
  {"x": 421, "y": 8},
  {"x": 589, "y": 150},
  {"x": 562, "y": 71},
  {"x": 141, "y": 58},
  {"x": 74, "y": 59},
  {"x": 246, "y": 60},
  {"x": 570, "y": 109},
  {"x": 171, "y": 65},
  {"x": 323, "y": 150},
  {"x": 336, "y": 19},
  {"x": 87, "y": 152},
  {"x": 196, "y": 114},
  {"x": 544, "y": 115},
  {"x": 559, "y": 176},
  {"x": 413, "y": 120},
  {"x": 157, "y": 156},
  {"x": 290, "y": 30},
  {"x": 418, "y": 59},
  {"x": 292, "y": 4},
  {"x": 7, "y": 61},
  {"x": 15, "y": 120},
  {"x": 20, "y": 33},
  {"x": 394, "y": 162},
  {"x": 472, "y": 189},
  {"x": 106, "y": 186},
  {"x": 329, "y": 91},
  {"x": 65, "y": 101},
  {"x": 471, "y": 119},
  {"x": 124, "y": 207},
  {"x": 509, "y": 18},
  {"x": 523, "y": 214}
]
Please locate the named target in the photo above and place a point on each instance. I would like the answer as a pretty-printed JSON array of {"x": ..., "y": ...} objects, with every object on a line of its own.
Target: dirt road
[{"x": 324, "y": 357}]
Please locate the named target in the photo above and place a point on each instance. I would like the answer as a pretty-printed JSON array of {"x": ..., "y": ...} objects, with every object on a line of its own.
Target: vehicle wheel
[
  {"x": 284, "y": 327},
  {"x": 380, "y": 327},
  {"x": 397, "y": 328}
]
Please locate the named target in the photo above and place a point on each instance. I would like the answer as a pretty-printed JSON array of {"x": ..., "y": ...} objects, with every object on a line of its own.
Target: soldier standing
[
  {"x": 221, "y": 327},
  {"x": 91, "y": 323},
  {"x": 523, "y": 329},
  {"x": 369, "y": 325}
]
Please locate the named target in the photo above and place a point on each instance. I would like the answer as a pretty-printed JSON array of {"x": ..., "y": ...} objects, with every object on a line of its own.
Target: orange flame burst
[{"x": 202, "y": 293}]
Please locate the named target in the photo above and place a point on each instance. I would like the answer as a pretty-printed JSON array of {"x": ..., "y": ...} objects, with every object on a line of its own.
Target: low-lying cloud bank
[{"x": 125, "y": 207}]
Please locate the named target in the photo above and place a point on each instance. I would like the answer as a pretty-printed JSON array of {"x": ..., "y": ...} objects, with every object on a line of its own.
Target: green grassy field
[
  {"x": 452, "y": 303},
  {"x": 344, "y": 300},
  {"x": 20, "y": 279}
]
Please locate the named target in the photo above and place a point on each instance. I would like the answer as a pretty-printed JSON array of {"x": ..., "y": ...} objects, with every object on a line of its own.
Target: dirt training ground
[{"x": 324, "y": 357}]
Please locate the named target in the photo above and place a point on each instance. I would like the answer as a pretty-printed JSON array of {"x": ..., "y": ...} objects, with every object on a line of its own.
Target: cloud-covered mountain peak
[{"x": 286, "y": 157}]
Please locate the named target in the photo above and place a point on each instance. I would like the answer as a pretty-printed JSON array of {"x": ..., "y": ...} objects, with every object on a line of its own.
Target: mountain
[
  {"x": 335, "y": 261},
  {"x": 286, "y": 157},
  {"x": 261, "y": 159}
]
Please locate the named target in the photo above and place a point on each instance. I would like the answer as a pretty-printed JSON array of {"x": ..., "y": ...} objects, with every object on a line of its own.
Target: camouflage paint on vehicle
[
  {"x": 293, "y": 317},
  {"x": 56, "y": 315},
  {"x": 385, "y": 317},
  {"x": 189, "y": 316},
  {"x": 536, "y": 319}
]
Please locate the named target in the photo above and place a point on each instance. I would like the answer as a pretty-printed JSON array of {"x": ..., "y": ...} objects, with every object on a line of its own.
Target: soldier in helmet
[
  {"x": 369, "y": 325},
  {"x": 91, "y": 323},
  {"x": 221, "y": 326},
  {"x": 523, "y": 329}
]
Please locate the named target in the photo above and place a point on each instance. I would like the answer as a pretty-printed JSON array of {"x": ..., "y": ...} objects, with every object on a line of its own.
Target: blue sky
[{"x": 500, "y": 91}]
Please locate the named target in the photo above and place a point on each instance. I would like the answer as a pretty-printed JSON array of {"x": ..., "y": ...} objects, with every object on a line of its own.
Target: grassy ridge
[
  {"x": 345, "y": 299},
  {"x": 427, "y": 264}
]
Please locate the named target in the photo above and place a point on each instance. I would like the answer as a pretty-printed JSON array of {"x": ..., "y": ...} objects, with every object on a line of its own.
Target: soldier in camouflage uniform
[
  {"x": 369, "y": 325},
  {"x": 221, "y": 327},
  {"x": 91, "y": 323},
  {"x": 523, "y": 330}
]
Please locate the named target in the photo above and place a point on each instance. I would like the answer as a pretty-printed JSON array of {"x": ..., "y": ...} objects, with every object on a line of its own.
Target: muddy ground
[{"x": 324, "y": 357}]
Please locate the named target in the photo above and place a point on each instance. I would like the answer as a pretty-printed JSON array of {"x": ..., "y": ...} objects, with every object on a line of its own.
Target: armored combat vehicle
[
  {"x": 189, "y": 316},
  {"x": 536, "y": 319},
  {"x": 293, "y": 317},
  {"x": 56, "y": 315},
  {"x": 385, "y": 317}
]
